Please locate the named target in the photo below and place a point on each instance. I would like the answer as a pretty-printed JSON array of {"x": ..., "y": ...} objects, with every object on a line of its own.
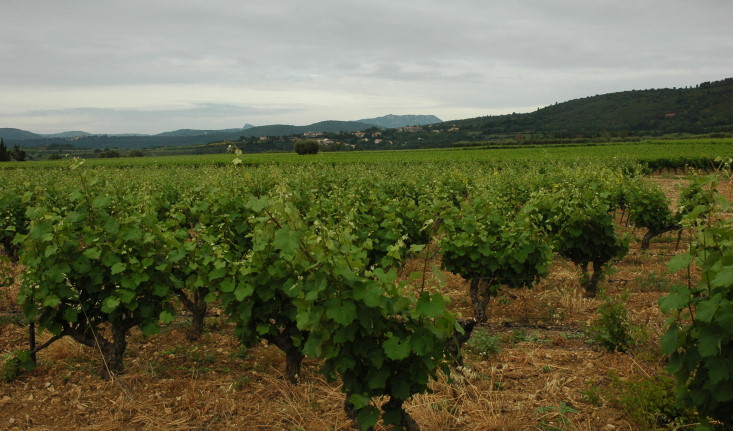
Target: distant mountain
[
  {"x": 9, "y": 134},
  {"x": 393, "y": 121},
  {"x": 72, "y": 134},
  {"x": 196, "y": 132},
  {"x": 183, "y": 137},
  {"x": 323, "y": 126}
]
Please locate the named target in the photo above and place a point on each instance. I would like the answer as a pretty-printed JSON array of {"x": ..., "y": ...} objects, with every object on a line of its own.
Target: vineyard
[{"x": 434, "y": 294}]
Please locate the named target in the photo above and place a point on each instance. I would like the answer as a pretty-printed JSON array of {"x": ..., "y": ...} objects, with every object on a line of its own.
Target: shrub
[
  {"x": 612, "y": 329},
  {"x": 483, "y": 343},
  {"x": 306, "y": 147},
  {"x": 651, "y": 403}
]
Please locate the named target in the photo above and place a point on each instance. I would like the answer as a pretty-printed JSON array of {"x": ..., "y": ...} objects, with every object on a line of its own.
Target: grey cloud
[
  {"x": 463, "y": 53},
  {"x": 155, "y": 120}
]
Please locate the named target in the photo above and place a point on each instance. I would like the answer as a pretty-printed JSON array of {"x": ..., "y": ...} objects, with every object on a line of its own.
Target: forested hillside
[{"x": 705, "y": 108}]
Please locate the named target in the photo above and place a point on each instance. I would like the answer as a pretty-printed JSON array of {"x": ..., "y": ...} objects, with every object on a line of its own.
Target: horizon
[{"x": 146, "y": 72}]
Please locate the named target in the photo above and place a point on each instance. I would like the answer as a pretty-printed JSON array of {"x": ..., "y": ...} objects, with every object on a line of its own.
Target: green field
[{"x": 699, "y": 153}]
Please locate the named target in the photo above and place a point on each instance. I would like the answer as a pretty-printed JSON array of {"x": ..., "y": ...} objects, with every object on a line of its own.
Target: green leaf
[
  {"x": 286, "y": 240},
  {"x": 342, "y": 312},
  {"x": 430, "y": 305},
  {"x": 150, "y": 328},
  {"x": 680, "y": 261},
  {"x": 708, "y": 342},
  {"x": 371, "y": 294},
  {"x": 227, "y": 285},
  {"x": 118, "y": 268},
  {"x": 718, "y": 369},
  {"x": 706, "y": 309},
  {"x": 161, "y": 290},
  {"x": 414, "y": 248},
  {"x": 367, "y": 417},
  {"x": 396, "y": 348},
  {"x": 93, "y": 253},
  {"x": 678, "y": 298},
  {"x": 101, "y": 201},
  {"x": 110, "y": 259},
  {"x": 257, "y": 204},
  {"x": 71, "y": 315},
  {"x": 126, "y": 296},
  {"x": 359, "y": 401},
  {"x": 422, "y": 341},
  {"x": 166, "y": 316},
  {"x": 723, "y": 391},
  {"x": 243, "y": 290},
  {"x": 111, "y": 226},
  {"x": 110, "y": 304},
  {"x": 724, "y": 278},
  {"x": 669, "y": 340},
  {"x": 51, "y": 301}
]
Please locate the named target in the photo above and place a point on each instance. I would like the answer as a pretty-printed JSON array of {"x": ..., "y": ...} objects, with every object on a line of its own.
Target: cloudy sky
[{"x": 150, "y": 66}]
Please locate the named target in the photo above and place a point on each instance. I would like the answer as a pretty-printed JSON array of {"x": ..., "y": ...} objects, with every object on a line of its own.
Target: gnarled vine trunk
[
  {"x": 651, "y": 233},
  {"x": 197, "y": 306},
  {"x": 112, "y": 351},
  {"x": 480, "y": 293},
  {"x": 408, "y": 422},
  {"x": 590, "y": 281},
  {"x": 293, "y": 355}
]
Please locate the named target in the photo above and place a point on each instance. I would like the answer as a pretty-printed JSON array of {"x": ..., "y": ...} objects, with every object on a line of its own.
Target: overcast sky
[{"x": 150, "y": 66}]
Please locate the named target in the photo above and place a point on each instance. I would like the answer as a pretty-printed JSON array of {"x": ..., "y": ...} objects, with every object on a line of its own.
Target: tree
[
  {"x": 4, "y": 155},
  {"x": 18, "y": 154},
  {"x": 306, "y": 147}
]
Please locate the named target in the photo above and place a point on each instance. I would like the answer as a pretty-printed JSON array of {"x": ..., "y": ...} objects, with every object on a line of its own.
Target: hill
[
  {"x": 183, "y": 137},
  {"x": 195, "y": 132},
  {"x": 10, "y": 134},
  {"x": 393, "y": 121},
  {"x": 705, "y": 108},
  {"x": 70, "y": 134}
]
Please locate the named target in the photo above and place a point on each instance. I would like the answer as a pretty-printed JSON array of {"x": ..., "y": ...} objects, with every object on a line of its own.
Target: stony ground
[{"x": 541, "y": 373}]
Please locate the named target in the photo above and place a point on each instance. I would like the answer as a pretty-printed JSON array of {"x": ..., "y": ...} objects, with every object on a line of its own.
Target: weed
[
  {"x": 12, "y": 319},
  {"x": 241, "y": 382},
  {"x": 241, "y": 353},
  {"x": 11, "y": 369},
  {"x": 156, "y": 368},
  {"x": 613, "y": 329},
  {"x": 14, "y": 363},
  {"x": 573, "y": 335},
  {"x": 555, "y": 418},
  {"x": 214, "y": 324},
  {"x": 651, "y": 403},
  {"x": 554, "y": 313},
  {"x": 483, "y": 343},
  {"x": 592, "y": 394},
  {"x": 519, "y": 335},
  {"x": 503, "y": 299},
  {"x": 653, "y": 282}
]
